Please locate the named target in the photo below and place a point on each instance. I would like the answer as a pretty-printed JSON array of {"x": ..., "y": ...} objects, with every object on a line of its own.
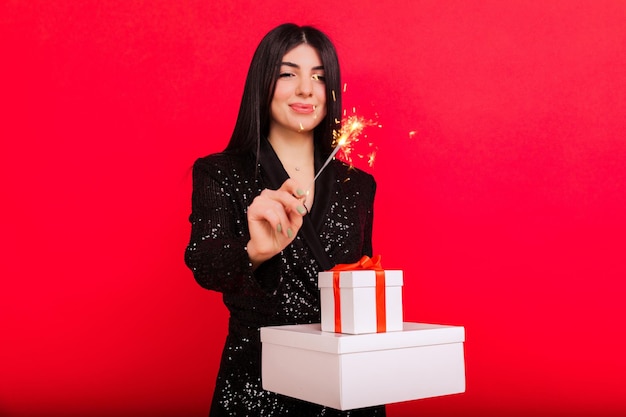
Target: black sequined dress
[{"x": 283, "y": 290}]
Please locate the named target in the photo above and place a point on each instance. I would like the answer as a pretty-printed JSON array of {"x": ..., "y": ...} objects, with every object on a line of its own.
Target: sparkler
[{"x": 351, "y": 128}]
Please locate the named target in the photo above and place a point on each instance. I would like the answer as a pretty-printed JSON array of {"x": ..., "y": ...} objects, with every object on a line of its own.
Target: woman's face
[{"x": 299, "y": 102}]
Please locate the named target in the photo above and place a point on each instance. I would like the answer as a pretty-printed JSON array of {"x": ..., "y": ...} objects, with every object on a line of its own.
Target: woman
[{"x": 261, "y": 229}]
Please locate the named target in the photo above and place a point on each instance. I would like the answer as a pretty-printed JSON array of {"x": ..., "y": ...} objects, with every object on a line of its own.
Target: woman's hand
[{"x": 274, "y": 219}]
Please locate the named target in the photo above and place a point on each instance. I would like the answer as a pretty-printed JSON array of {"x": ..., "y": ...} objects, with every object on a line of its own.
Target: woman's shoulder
[
  {"x": 225, "y": 163},
  {"x": 346, "y": 172}
]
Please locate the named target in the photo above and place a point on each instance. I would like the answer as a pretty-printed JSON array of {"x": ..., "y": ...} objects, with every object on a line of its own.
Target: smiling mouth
[{"x": 303, "y": 108}]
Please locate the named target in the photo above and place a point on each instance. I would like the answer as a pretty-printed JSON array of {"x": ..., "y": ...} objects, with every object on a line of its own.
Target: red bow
[{"x": 365, "y": 263}]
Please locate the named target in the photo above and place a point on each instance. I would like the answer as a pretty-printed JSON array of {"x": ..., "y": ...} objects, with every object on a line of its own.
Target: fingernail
[
  {"x": 301, "y": 209},
  {"x": 300, "y": 192},
  {"x": 289, "y": 233},
  {"x": 279, "y": 228}
]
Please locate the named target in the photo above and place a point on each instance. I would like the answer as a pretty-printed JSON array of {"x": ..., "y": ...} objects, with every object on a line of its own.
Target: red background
[{"x": 505, "y": 207}]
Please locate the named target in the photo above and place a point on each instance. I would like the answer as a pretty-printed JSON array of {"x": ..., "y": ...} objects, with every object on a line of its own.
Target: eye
[
  {"x": 319, "y": 77},
  {"x": 286, "y": 75}
]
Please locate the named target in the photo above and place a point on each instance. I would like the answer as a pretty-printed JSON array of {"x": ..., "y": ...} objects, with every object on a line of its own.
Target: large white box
[
  {"x": 358, "y": 301},
  {"x": 345, "y": 371}
]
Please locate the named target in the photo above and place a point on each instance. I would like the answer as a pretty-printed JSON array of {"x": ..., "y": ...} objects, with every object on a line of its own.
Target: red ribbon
[{"x": 365, "y": 263}]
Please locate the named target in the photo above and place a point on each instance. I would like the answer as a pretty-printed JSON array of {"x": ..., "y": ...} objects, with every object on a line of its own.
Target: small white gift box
[
  {"x": 359, "y": 309},
  {"x": 345, "y": 371}
]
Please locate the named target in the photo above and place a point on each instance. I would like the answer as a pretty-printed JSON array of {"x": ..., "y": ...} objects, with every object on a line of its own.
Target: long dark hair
[{"x": 254, "y": 112}]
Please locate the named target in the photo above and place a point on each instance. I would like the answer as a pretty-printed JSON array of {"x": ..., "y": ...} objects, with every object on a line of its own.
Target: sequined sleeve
[
  {"x": 369, "y": 221},
  {"x": 216, "y": 253}
]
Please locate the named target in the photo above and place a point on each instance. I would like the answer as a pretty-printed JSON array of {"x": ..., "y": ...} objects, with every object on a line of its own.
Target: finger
[
  {"x": 292, "y": 187},
  {"x": 289, "y": 202},
  {"x": 289, "y": 211},
  {"x": 296, "y": 219},
  {"x": 267, "y": 208},
  {"x": 279, "y": 208}
]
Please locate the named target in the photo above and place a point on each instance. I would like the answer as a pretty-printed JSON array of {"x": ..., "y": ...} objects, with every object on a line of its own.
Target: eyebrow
[{"x": 292, "y": 65}]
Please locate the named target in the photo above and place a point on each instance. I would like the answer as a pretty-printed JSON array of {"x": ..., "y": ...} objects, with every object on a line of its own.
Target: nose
[{"x": 305, "y": 87}]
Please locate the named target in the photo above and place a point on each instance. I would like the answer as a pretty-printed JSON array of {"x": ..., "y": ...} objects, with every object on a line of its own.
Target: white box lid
[
  {"x": 361, "y": 278},
  {"x": 311, "y": 337}
]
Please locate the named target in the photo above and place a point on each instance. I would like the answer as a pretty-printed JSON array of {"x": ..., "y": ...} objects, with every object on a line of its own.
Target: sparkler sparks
[
  {"x": 370, "y": 158},
  {"x": 344, "y": 139},
  {"x": 349, "y": 135}
]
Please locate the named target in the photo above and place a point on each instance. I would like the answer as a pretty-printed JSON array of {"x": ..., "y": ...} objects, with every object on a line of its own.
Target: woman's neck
[{"x": 295, "y": 151}]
